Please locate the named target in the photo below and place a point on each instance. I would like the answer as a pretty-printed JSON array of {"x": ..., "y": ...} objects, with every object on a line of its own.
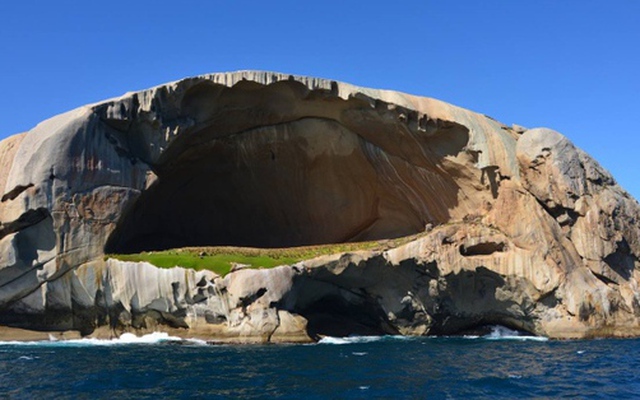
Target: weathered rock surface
[{"x": 516, "y": 226}]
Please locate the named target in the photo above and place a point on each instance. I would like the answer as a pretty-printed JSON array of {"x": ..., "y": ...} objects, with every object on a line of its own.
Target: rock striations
[{"x": 512, "y": 226}]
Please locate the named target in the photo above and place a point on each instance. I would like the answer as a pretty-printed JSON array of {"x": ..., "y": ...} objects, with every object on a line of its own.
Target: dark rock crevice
[
  {"x": 15, "y": 192},
  {"x": 484, "y": 248},
  {"x": 27, "y": 219},
  {"x": 622, "y": 261},
  {"x": 469, "y": 299},
  {"x": 604, "y": 279}
]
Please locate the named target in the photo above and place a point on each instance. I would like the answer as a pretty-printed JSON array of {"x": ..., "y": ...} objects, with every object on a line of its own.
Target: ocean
[{"x": 500, "y": 365}]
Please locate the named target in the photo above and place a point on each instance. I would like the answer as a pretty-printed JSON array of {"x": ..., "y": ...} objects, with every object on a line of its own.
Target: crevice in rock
[
  {"x": 145, "y": 319},
  {"x": 214, "y": 318},
  {"x": 84, "y": 318},
  {"x": 604, "y": 279},
  {"x": 492, "y": 174},
  {"x": 15, "y": 192},
  {"x": 587, "y": 310},
  {"x": 245, "y": 302},
  {"x": 27, "y": 219},
  {"x": 550, "y": 299},
  {"x": 484, "y": 248},
  {"x": 564, "y": 216},
  {"x": 622, "y": 261},
  {"x": 25, "y": 273}
]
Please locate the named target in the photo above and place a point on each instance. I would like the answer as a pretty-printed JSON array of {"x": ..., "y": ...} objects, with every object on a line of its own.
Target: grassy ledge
[{"x": 220, "y": 259}]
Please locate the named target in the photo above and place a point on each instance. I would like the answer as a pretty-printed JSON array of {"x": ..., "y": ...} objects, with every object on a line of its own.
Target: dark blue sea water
[{"x": 496, "y": 366}]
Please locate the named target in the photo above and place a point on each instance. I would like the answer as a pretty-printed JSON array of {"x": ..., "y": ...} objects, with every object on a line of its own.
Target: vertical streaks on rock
[{"x": 514, "y": 226}]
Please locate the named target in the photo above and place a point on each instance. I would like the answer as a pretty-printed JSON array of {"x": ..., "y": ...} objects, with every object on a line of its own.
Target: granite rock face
[{"x": 513, "y": 226}]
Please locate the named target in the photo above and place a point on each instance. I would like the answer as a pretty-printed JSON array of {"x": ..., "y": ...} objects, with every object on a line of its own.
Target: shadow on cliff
[
  {"x": 468, "y": 301},
  {"x": 420, "y": 301},
  {"x": 280, "y": 165}
]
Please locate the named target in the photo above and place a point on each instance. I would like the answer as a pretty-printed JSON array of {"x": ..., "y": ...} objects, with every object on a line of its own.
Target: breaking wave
[
  {"x": 361, "y": 339},
  {"x": 502, "y": 333},
  {"x": 124, "y": 339},
  {"x": 497, "y": 333}
]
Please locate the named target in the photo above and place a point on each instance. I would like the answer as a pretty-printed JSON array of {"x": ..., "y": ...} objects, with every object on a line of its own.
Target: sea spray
[
  {"x": 497, "y": 332},
  {"x": 124, "y": 339}
]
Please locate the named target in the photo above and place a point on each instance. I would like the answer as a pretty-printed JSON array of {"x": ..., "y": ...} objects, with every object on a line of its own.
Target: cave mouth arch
[{"x": 302, "y": 180}]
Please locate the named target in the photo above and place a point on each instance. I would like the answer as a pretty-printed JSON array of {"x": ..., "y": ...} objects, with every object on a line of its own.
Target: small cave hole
[
  {"x": 335, "y": 316},
  {"x": 484, "y": 248}
]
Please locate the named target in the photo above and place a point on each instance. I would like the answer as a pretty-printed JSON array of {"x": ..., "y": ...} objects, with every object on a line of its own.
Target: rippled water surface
[{"x": 495, "y": 366}]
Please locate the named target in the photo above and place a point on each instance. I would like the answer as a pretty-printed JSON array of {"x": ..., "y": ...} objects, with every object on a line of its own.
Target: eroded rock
[{"x": 513, "y": 226}]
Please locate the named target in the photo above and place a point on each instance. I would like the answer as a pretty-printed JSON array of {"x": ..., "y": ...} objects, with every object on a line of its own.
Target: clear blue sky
[{"x": 569, "y": 65}]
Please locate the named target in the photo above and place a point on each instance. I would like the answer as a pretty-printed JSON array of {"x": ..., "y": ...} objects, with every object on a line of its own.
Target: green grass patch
[
  {"x": 220, "y": 259},
  {"x": 218, "y": 263}
]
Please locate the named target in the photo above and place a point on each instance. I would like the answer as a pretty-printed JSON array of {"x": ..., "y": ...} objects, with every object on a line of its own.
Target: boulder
[{"x": 510, "y": 226}]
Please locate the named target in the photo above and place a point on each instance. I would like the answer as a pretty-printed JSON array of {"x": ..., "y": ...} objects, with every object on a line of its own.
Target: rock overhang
[
  {"x": 236, "y": 157},
  {"x": 292, "y": 158}
]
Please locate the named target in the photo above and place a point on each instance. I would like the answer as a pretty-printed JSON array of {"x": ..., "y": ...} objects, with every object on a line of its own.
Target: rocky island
[{"x": 417, "y": 218}]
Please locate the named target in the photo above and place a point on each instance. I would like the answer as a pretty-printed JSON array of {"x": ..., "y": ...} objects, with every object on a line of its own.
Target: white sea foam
[
  {"x": 360, "y": 339},
  {"x": 501, "y": 333},
  {"x": 498, "y": 332},
  {"x": 124, "y": 339},
  {"x": 347, "y": 340}
]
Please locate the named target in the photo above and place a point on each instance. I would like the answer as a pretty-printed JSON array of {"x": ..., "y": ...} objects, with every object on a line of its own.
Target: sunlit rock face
[{"x": 514, "y": 226}]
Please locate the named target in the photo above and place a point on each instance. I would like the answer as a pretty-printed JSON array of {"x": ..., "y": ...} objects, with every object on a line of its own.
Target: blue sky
[{"x": 569, "y": 65}]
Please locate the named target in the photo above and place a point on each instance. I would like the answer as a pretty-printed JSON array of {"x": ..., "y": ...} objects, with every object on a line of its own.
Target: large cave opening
[{"x": 297, "y": 181}]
